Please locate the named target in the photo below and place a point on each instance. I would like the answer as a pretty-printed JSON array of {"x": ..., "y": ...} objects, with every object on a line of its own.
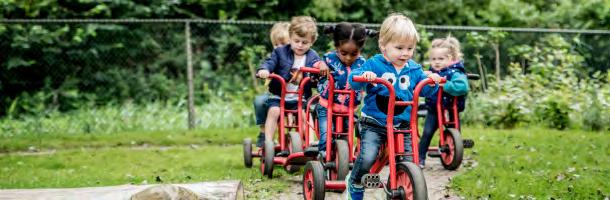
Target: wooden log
[{"x": 230, "y": 190}]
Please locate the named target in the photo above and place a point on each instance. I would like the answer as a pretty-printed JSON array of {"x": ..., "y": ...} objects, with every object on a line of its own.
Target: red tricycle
[
  {"x": 406, "y": 180},
  {"x": 451, "y": 145},
  {"x": 339, "y": 139},
  {"x": 290, "y": 153}
]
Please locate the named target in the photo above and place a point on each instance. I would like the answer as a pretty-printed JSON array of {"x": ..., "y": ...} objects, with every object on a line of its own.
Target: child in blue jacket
[
  {"x": 279, "y": 37},
  {"x": 446, "y": 60},
  {"x": 284, "y": 61},
  {"x": 397, "y": 41}
]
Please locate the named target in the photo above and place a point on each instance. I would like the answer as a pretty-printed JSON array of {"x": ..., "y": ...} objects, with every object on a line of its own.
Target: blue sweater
[
  {"x": 404, "y": 81},
  {"x": 456, "y": 85},
  {"x": 340, "y": 73},
  {"x": 280, "y": 63}
]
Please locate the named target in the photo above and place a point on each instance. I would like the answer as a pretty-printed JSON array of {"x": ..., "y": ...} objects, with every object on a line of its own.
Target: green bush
[
  {"x": 554, "y": 112},
  {"x": 555, "y": 90}
]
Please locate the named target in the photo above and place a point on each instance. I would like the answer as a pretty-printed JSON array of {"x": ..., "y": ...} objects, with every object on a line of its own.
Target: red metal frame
[
  {"x": 285, "y": 161},
  {"x": 395, "y": 142},
  {"x": 333, "y": 184},
  {"x": 311, "y": 101},
  {"x": 444, "y": 119},
  {"x": 331, "y": 115}
]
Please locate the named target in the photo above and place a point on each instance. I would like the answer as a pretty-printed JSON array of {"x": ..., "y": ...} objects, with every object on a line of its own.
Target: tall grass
[{"x": 155, "y": 116}]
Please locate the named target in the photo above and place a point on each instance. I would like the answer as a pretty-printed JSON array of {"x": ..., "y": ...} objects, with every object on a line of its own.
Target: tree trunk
[
  {"x": 189, "y": 76},
  {"x": 496, "y": 47},
  {"x": 481, "y": 72},
  {"x": 253, "y": 75}
]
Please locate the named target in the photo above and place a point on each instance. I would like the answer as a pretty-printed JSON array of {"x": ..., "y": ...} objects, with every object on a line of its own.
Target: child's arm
[
  {"x": 458, "y": 85},
  {"x": 427, "y": 91},
  {"x": 319, "y": 63},
  {"x": 364, "y": 71},
  {"x": 324, "y": 70},
  {"x": 268, "y": 65}
]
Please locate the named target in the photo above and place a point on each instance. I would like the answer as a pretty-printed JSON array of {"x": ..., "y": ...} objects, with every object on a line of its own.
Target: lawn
[
  {"x": 132, "y": 158},
  {"x": 537, "y": 163},
  {"x": 510, "y": 164}
]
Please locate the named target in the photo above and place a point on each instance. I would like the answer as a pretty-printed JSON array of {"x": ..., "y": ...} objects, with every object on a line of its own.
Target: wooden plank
[{"x": 231, "y": 190}]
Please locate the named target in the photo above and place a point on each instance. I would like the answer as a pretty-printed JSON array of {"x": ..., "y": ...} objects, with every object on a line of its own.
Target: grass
[
  {"x": 536, "y": 163},
  {"x": 98, "y": 161},
  {"x": 44, "y": 142},
  {"x": 116, "y": 166},
  {"x": 510, "y": 164}
]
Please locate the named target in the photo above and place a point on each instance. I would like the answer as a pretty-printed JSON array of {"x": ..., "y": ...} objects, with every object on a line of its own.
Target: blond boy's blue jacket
[{"x": 404, "y": 82}]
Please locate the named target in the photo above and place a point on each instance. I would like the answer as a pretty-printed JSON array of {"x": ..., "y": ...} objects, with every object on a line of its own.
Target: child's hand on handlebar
[
  {"x": 435, "y": 77},
  {"x": 369, "y": 76},
  {"x": 263, "y": 74},
  {"x": 324, "y": 70}
]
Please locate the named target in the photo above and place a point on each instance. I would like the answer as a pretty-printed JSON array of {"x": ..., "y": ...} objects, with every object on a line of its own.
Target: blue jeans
[
  {"x": 430, "y": 126},
  {"x": 371, "y": 138},
  {"x": 322, "y": 124},
  {"x": 260, "y": 108}
]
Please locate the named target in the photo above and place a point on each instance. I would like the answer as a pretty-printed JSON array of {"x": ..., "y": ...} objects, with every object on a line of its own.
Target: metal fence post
[{"x": 189, "y": 75}]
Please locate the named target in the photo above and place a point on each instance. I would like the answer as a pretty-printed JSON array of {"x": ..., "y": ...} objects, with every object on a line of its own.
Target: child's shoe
[
  {"x": 261, "y": 140},
  {"x": 422, "y": 163},
  {"x": 322, "y": 156},
  {"x": 354, "y": 192}
]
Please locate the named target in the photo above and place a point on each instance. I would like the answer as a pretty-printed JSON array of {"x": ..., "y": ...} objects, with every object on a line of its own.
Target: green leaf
[{"x": 15, "y": 62}]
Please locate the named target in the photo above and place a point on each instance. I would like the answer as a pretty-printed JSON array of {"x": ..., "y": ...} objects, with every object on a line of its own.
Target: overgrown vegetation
[
  {"x": 57, "y": 66},
  {"x": 553, "y": 90},
  {"x": 111, "y": 119}
]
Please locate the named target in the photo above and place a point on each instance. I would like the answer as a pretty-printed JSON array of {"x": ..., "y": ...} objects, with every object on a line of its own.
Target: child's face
[
  {"x": 299, "y": 44},
  {"x": 348, "y": 53},
  {"x": 280, "y": 42},
  {"x": 439, "y": 58},
  {"x": 398, "y": 52}
]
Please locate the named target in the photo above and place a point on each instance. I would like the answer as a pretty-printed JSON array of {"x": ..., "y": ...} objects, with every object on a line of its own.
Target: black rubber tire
[
  {"x": 417, "y": 180},
  {"x": 295, "y": 144},
  {"x": 313, "y": 179},
  {"x": 248, "y": 152},
  {"x": 341, "y": 158},
  {"x": 456, "y": 153},
  {"x": 269, "y": 152}
]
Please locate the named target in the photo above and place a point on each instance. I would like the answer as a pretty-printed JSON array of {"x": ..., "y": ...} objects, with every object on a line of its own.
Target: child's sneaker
[
  {"x": 354, "y": 192},
  {"x": 322, "y": 156},
  {"x": 422, "y": 163},
  {"x": 261, "y": 140}
]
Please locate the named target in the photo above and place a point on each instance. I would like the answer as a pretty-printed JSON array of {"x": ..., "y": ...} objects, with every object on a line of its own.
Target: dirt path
[{"x": 437, "y": 179}]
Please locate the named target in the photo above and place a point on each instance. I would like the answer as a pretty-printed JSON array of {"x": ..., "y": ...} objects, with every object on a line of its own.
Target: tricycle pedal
[
  {"x": 371, "y": 181},
  {"x": 468, "y": 143}
]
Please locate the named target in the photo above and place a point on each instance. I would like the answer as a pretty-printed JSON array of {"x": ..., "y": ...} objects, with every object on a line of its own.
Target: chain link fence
[{"x": 65, "y": 64}]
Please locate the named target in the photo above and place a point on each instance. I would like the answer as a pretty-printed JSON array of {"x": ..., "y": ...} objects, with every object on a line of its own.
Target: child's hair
[
  {"x": 304, "y": 26},
  {"x": 451, "y": 44},
  {"x": 279, "y": 33},
  {"x": 344, "y": 32},
  {"x": 397, "y": 27}
]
